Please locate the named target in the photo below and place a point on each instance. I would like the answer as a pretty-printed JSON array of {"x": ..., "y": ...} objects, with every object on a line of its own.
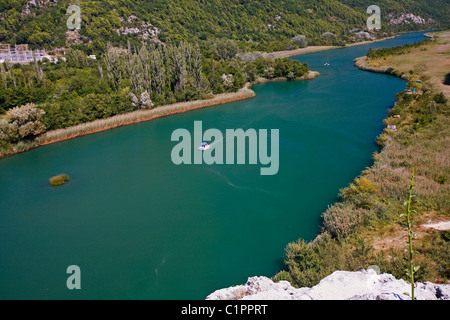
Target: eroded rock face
[{"x": 340, "y": 285}]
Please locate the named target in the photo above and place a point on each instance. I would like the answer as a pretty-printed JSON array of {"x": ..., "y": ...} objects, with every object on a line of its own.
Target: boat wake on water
[
  {"x": 236, "y": 186},
  {"x": 157, "y": 269}
]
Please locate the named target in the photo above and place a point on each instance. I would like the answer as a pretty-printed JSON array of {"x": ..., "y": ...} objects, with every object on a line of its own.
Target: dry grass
[
  {"x": 126, "y": 119},
  {"x": 374, "y": 217},
  {"x": 428, "y": 151},
  {"x": 430, "y": 62},
  {"x": 140, "y": 115}
]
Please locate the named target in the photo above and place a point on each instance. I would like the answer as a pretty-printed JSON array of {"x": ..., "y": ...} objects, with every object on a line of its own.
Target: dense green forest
[
  {"x": 265, "y": 25},
  {"x": 260, "y": 24},
  {"x": 437, "y": 10}
]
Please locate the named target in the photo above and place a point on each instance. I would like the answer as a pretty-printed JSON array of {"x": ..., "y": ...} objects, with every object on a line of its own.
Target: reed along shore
[{"x": 145, "y": 115}]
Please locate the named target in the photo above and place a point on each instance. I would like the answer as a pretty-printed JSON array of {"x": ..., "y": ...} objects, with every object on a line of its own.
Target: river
[{"x": 140, "y": 227}]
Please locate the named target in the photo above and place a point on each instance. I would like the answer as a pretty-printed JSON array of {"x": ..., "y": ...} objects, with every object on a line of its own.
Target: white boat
[
  {"x": 326, "y": 64},
  {"x": 204, "y": 146}
]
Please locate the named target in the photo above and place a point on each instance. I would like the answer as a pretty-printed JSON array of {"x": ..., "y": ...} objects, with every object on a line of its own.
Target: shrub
[
  {"x": 381, "y": 212},
  {"x": 382, "y": 139},
  {"x": 376, "y": 156},
  {"x": 361, "y": 185},
  {"x": 308, "y": 263},
  {"x": 24, "y": 123},
  {"x": 4, "y": 147},
  {"x": 440, "y": 98},
  {"x": 304, "y": 264},
  {"x": 391, "y": 121},
  {"x": 282, "y": 276},
  {"x": 446, "y": 235},
  {"x": 59, "y": 180},
  {"x": 441, "y": 179},
  {"x": 300, "y": 41},
  {"x": 342, "y": 218}
]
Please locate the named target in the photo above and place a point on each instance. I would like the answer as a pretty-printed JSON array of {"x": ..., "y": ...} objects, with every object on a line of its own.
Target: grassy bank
[
  {"x": 144, "y": 115},
  {"x": 162, "y": 111},
  {"x": 130, "y": 118},
  {"x": 367, "y": 226},
  {"x": 75, "y": 112}
]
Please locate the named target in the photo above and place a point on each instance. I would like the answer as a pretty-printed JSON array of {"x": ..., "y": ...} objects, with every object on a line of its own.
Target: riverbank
[
  {"x": 167, "y": 110},
  {"x": 142, "y": 115},
  {"x": 130, "y": 118},
  {"x": 425, "y": 70},
  {"x": 430, "y": 62},
  {"x": 310, "y": 49},
  {"x": 366, "y": 226},
  {"x": 145, "y": 115}
]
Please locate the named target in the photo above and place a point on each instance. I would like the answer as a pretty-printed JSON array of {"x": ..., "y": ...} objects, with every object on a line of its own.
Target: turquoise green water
[{"x": 140, "y": 227}]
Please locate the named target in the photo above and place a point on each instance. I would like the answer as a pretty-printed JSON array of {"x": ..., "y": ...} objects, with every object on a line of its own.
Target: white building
[{"x": 20, "y": 54}]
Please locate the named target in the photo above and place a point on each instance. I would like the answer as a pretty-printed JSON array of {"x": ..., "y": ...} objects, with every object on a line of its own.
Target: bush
[
  {"x": 441, "y": 179},
  {"x": 59, "y": 180},
  {"x": 300, "y": 41},
  {"x": 361, "y": 185},
  {"x": 342, "y": 218},
  {"x": 360, "y": 193},
  {"x": 309, "y": 263},
  {"x": 4, "y": 147},
  {"x": 24, "y": 123},
  {"x": 382, "y": 139},
  {"x": 304, "y": 264},
  {"x": 440, "y": 98}
]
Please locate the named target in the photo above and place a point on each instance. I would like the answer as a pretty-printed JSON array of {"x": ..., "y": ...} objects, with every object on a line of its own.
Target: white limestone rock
[{"x": 340, "y": 285}]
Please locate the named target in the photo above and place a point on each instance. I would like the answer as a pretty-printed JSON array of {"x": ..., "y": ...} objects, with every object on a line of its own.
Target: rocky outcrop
[
  {"x": 340, "y": 285},
  {"x": 408, "y": 18}
]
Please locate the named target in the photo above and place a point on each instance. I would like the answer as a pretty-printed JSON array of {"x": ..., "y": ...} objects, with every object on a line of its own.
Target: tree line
[{"x": 122, "y": 80}]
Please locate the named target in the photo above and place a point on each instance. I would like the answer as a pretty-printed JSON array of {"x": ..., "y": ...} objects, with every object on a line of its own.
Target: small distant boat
[
  {"x": 326, "y": 64},
  {"x": 204, "y": 146}
]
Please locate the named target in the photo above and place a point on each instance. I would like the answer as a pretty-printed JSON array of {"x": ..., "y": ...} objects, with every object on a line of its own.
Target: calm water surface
[{"x": 140, "y": 227}]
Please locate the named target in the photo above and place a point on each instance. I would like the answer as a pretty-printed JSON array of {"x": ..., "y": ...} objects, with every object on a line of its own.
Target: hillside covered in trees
[
  {"x": 265, "y": 25},
  {"x": 407, "y": 15}
]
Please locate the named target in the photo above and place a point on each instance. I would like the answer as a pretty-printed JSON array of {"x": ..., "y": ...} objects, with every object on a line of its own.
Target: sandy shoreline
[{"x": 300, "y": 51}]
